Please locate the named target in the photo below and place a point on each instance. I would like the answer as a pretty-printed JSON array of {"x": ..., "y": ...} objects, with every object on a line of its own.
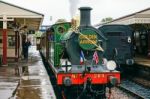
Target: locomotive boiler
[{"x": 75, "y": 55}]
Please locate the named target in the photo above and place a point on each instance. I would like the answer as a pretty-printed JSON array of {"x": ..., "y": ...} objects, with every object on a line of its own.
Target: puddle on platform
[
  {"x": 28, "y": 79},
  {"x": 35, "y": 92}
]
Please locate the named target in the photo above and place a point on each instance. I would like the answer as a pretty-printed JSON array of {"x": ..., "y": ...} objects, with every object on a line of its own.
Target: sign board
[{"x": 87, "y": 39}]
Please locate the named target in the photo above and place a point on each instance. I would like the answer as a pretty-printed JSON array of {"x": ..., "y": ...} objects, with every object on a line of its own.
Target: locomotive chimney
[{"x": 85, "y": 17}]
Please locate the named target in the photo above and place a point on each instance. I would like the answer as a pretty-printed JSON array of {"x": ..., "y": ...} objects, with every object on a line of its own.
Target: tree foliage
[{"x": 105, "y": 20}]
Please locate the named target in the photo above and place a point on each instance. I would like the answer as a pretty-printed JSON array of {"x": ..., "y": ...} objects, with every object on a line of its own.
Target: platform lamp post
[
  {"x": 51, "y": 19},
  {"x": 4, "y": 41}
]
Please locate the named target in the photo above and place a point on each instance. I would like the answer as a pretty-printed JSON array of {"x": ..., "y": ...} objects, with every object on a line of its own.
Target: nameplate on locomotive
[{"x": 88, "y": 39}]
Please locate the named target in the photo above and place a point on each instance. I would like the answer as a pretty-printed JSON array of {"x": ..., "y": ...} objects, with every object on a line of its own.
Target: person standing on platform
[{"x": 26, "y": 49}]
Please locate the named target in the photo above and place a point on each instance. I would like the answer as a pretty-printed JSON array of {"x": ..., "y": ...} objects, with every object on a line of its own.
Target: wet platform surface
[{"x": 26, "y": 80}]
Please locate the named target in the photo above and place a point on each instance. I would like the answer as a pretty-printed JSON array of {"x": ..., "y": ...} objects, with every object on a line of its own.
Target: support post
[
  {"x": 4, "y": 47},
  {"x": 4, "y": 41},
  {"x": 149, "y": 44}
]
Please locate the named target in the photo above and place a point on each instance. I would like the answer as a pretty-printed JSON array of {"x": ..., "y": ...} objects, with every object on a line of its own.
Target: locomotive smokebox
[{"x": 85, "y": 16}]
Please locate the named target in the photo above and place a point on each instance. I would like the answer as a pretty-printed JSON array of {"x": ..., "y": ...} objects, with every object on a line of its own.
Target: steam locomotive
[
  {"x": 119, "y": 43},
  {"x": 75, "y": 55}
]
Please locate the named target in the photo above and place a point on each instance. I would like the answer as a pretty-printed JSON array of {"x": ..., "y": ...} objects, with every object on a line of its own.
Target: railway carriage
[{"x": 76, "y": 58}]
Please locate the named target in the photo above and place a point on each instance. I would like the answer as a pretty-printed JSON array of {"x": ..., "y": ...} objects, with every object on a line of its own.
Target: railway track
[
  {"x": 135, "y": 89},
  {"x": 128, "y": 86},
  {"x": 141, "y": 81}
]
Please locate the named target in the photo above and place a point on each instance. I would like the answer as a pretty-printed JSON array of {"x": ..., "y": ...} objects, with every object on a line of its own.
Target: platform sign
[{"x": 87, "y": 39}]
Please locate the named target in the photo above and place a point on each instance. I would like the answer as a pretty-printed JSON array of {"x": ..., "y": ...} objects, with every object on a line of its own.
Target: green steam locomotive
[{"x": 75, "y": 55}]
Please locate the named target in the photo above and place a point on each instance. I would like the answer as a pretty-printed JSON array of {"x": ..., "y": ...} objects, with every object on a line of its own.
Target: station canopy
[
  {"x": 21, "y": 16},
  {"x": 140, "y": 17}
]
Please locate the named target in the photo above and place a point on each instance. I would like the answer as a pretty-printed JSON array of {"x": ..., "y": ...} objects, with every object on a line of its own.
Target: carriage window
[
  {"x": 50, "y": 33},
  {"x": 114, "y": 33},
  {"x": 50, "y": 36}
]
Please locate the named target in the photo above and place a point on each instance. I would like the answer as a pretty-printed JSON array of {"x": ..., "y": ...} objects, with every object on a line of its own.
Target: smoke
[{"x": 73, "y": 7}]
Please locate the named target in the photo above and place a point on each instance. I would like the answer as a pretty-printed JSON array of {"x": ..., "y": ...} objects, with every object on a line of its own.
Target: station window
[
  {"x": 1, "y": 24},
  {"x": 0, "y": 40},
  {"x": 11, "y": 41}
]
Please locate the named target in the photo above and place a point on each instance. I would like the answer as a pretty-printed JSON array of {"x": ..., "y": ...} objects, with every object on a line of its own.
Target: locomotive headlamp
[
  {"x": 111, "y": 65},
  {"x": 129, "y": 39}
]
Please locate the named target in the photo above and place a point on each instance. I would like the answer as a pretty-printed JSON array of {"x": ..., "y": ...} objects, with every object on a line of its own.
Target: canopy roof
[
  {"x": 22, "y": 16},
  {"x": 140, "y": 17}
]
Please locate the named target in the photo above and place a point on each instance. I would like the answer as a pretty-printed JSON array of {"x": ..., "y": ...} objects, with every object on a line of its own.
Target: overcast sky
[{"x": 101, "y": 8}]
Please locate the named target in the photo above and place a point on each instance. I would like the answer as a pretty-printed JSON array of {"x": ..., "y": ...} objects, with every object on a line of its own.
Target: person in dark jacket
[{"x": 26, "y": 48}]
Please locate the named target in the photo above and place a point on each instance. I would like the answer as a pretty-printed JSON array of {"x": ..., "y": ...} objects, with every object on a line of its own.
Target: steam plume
[{"x": 73, "y": 7}]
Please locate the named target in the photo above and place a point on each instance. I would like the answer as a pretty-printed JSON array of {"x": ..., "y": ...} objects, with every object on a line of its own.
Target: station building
[{"x": 16, "y": 23}]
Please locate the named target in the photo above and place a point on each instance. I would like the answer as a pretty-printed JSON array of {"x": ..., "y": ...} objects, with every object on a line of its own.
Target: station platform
[
  {"x": 26, "y": 80},
  {"x": 144, "y": 61}
]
